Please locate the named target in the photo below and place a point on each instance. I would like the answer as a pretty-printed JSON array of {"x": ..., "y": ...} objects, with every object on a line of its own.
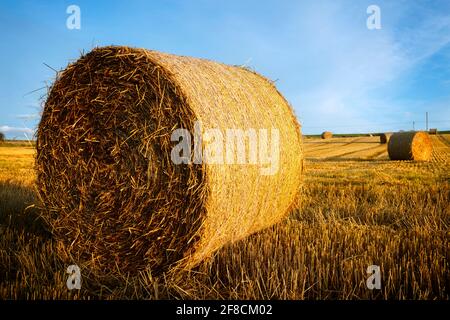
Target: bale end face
[
  {"x": 327, "y": 135},
  {"x": 384, "y": 137},
  {"x": 410, "y": 146}
]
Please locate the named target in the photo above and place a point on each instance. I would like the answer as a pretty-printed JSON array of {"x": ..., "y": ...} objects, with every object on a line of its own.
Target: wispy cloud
[
  {"x": 28, "y": 117},
  {"x": 361, "y": 64},
  {"x": 16, "y": 130}
]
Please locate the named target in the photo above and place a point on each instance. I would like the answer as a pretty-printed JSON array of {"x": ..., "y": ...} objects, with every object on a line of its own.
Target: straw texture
[
  {"x": 111, "y": 193},
  {"x": 413, "y": 145}
]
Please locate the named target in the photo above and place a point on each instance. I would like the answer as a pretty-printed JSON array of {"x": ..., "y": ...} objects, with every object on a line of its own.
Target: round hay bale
[
  {"x": 413, "y": 145},
  {"x": 111, "y": 193},
  {"x": 384, "y": 137},
  {"x": 326, "y": 135},
  {"x": 433, "y": 131}
]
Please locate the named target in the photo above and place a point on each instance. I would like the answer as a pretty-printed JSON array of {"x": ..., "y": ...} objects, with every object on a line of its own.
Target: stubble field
[{"x": 358, "y": 209}]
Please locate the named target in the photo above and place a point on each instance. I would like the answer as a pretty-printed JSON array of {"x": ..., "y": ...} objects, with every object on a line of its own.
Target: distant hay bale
[
  {"x": 384, "y": 137},
  {"x": 326, "y": 135},
  {"x": 111, "y": 193},
  {"x": 412, "y": 145},
  {"x": 433, "y": 131}
]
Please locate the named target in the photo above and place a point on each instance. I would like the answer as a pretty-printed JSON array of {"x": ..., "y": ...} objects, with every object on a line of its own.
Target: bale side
[{"x": 410, "y": 146}]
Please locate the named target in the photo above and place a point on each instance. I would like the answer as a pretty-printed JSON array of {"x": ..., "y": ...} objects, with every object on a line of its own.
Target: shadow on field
[
  {"x": 339, "y": 142},
  {"x": 17, "y": 210},
  {"x": 339, "y": 159}
]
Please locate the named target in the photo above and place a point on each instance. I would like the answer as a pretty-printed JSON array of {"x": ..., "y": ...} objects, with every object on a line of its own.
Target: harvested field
[{"x": 359, "y": 208}]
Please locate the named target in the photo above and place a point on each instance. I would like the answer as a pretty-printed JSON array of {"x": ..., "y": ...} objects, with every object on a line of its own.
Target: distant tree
[{"x": 2, "y": 136}]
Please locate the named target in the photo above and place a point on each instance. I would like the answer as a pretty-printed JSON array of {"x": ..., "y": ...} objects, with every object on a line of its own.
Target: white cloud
[
  {"x": 27, "y": 117},
  {"x": 8, "y": 129},
  {"x": 359, "y": 67}
]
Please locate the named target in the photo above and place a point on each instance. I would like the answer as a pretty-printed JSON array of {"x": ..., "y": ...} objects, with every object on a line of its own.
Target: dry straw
[
  {"x": 326, "y": 135},
  {"x": 413, "y": 145},
  {"x": 111, "y": 193},
  {"x": 384, "y": 137}
]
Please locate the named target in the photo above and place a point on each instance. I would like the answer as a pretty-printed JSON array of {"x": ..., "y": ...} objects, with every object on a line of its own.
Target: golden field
[{"x": 357, "y": 209}]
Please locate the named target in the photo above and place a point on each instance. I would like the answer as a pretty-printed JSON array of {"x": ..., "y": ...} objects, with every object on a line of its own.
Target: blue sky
[{"x": 337, "y": 74}]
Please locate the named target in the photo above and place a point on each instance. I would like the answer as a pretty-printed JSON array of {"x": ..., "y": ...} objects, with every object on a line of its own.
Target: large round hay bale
[
  {"x": 114, "y": 198},
  {"x": 326, "y": 135},
  {"x": 413, "y": 145},
  {"x": 384, "y": 137}
]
